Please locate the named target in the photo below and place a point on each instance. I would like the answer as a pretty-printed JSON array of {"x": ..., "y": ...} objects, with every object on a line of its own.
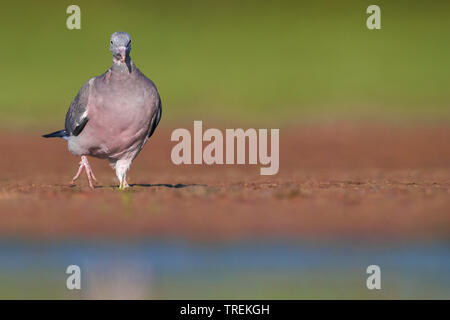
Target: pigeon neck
[{"x": 125, "y": 67}]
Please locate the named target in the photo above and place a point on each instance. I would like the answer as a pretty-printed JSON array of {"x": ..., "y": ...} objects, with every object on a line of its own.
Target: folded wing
[{"x": 77, "y": 115}]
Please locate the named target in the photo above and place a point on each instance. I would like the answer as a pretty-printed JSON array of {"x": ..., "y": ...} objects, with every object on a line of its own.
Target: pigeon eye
[{"x": 111, "y": 42}]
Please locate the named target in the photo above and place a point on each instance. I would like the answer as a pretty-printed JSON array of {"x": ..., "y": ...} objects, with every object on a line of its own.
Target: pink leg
[
  {"x": 90, "y": 174},
  {"x": 78, "y": 173}
]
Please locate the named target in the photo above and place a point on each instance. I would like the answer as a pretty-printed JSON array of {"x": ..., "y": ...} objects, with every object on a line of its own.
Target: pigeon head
[{"x": 120, "y": 46}]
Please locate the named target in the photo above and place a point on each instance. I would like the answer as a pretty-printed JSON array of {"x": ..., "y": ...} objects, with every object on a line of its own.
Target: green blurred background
[{"x": 279, "y": 60}]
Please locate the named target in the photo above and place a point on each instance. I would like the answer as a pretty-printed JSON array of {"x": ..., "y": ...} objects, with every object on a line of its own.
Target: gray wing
[
  {"x": 76, "y": 117},
  {"x": 158, "y": 117}
]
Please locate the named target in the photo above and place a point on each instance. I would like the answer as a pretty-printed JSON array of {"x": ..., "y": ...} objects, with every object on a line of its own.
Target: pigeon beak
[{"x": 122, "y": 52}]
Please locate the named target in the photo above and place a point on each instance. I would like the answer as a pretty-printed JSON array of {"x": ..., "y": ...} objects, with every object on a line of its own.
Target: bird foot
[
  {"x": 124, "y": 185},
  {"x": 89, "y": 173}
]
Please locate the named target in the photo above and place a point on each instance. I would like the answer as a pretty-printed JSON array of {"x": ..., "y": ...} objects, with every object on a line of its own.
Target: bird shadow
[
  {"x": 167, "y": 185},
  {"x": 150, "y": 185}
]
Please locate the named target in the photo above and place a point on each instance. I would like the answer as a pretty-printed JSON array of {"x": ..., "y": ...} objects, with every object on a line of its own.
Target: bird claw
[{"x": 89, "y": 173}]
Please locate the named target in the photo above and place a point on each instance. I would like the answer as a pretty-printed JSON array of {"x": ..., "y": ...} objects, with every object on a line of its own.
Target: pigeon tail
[{"x": 57, "y": 134}]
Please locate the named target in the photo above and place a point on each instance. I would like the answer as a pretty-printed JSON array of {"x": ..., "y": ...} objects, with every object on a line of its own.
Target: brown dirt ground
[{"x": 335, "y": 180}]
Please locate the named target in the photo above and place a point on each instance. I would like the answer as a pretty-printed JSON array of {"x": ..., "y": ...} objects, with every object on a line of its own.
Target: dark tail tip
[{"x": 57, "y": 134}]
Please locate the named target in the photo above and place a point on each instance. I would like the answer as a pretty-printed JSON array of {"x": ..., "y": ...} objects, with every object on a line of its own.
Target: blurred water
[{"x": 251, "y": 269}]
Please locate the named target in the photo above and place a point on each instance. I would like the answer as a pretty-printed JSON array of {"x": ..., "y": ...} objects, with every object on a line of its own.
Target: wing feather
[
  {"x": 77, "y": 117},
  {"x": 158, "y": 118}
]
